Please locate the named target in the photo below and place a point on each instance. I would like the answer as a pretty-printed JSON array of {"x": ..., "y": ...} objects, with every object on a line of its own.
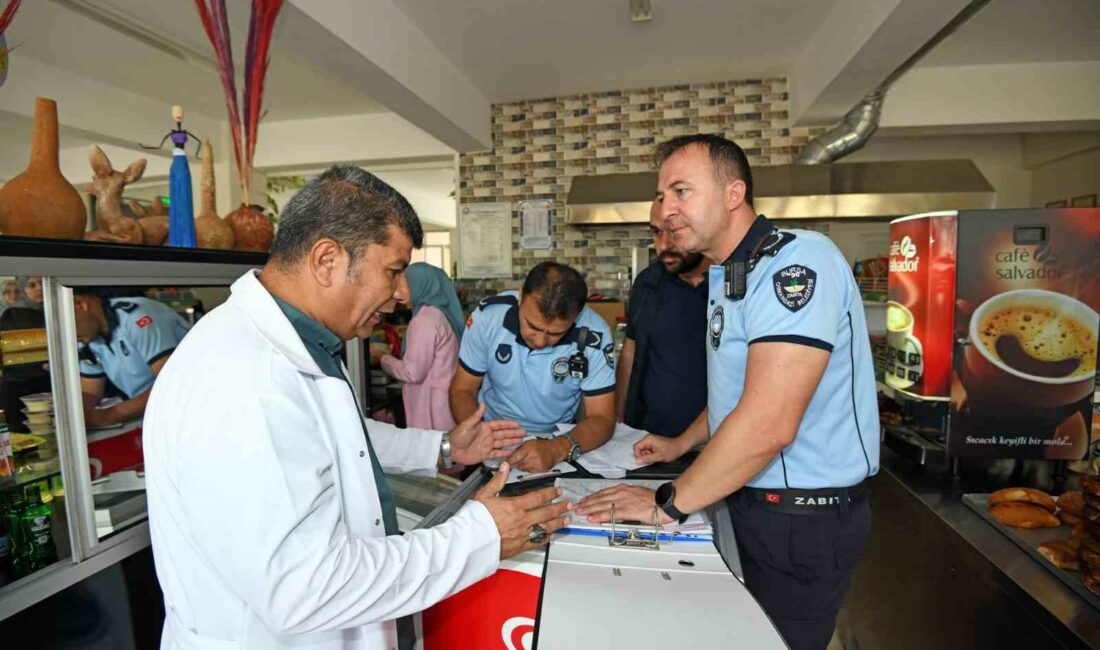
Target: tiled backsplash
[{"x": 540, "y": 145}]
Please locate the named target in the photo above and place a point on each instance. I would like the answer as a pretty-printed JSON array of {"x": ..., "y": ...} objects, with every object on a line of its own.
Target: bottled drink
[
  {"x": 7, "y": 456},
  {"x": 35, "y": 524},
  {"x": 13, "y": 511},
  {"x": 7, "y": 571}
]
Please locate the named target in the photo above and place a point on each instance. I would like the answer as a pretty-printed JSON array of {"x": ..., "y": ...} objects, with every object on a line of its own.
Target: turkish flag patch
[
  {"x": 144, "y": 321},
  {"x": 771, "y": 497},
  {"x": 469, "y": 321}
]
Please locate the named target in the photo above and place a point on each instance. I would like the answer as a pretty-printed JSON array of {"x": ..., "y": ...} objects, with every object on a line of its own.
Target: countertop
[{"x": 1025, "y": 580}]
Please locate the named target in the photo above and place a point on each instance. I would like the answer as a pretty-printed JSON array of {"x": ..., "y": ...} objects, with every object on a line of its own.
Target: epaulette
[{"x": 497, "y": 300}]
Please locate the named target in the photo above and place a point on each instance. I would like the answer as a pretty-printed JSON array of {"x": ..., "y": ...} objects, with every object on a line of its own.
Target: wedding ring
[{"x": 537, "y": 534}]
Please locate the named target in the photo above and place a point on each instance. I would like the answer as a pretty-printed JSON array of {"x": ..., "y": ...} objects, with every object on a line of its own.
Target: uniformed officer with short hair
[
  {"x": 126, "y": 341},
  {"x": 531, "y": 357},
  {"x": 791, "y": 417}
]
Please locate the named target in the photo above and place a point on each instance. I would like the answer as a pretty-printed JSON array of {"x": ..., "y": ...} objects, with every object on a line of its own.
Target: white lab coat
[{"x": 266, "y": 526}]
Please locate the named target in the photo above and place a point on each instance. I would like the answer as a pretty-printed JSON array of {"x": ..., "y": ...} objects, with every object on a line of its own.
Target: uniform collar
[
  {"x": 511, "y": 323},
  {"x": 757, "y": 231},
  {"x": 259, "y": 306}
]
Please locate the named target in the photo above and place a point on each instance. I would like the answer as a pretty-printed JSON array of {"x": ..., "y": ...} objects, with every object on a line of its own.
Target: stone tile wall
[{"x": 540, "y": 145}]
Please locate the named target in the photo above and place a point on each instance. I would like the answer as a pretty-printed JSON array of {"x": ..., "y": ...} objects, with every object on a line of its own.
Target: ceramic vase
[{"x": 39, "y": 202}]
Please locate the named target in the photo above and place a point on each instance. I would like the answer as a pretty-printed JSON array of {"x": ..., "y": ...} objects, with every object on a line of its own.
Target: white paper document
[
  {"x": 616, "y": 456},
  {"x": 573, "y": 490},
  {"x": 560, "y": 469}
]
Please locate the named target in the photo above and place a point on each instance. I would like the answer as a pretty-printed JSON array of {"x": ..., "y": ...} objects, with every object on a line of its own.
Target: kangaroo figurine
[{"x": 112, "y": 224}]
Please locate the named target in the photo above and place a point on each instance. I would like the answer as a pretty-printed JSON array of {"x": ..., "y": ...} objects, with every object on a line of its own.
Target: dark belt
[{"x": 805, "y": 502}]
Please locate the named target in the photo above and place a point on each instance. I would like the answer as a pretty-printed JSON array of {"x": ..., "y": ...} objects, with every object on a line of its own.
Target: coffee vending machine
[{"x": 992, "y": 322}]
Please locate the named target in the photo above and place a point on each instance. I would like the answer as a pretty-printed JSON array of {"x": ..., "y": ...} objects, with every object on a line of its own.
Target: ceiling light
[{"x": 641, "y": 11}]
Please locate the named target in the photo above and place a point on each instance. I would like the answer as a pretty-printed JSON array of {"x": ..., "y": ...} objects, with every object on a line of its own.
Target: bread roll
[
  {"x": 1090, "y": 499},
  {"x": 1061, "y": 552},
  {"x": 1090, "y": 484},
  {"x": 1072, "y": 502},
  {"x": 1023, "y": 515},
  {"x": 1068, "y": 518},
  {"x": 1025, "y": 495},
  {"x": 1078, "y": 532},
  {"x": 1091, "y": 513},
  {"x": 1090, "y": 559},
  {"x": 1090, "y": 539},
  {"x": 1092, "y": 583}
]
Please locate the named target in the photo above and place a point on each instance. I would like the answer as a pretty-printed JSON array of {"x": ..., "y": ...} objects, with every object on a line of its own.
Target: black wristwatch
[{"x": 664, "y": 497}]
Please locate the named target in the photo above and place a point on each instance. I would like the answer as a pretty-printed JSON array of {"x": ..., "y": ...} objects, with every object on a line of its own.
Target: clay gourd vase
[
  {"x": 251, "y": 229},
  {"x": 40, "y": 202},
  {"x": 211, "y": 231}
]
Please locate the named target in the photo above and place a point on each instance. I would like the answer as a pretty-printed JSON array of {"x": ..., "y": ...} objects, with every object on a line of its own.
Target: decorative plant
[
  {"x": 276, "y": 184},
  {"x": 252, "y": 229},
  {"x": 6, "y": 17}
]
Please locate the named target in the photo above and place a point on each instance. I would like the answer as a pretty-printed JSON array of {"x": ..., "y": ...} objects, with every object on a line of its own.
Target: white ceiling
[
  {"x": 546, "y": 48},
  {"x": 62, "y": 33},
  {"x": 1024, "y": 31}
]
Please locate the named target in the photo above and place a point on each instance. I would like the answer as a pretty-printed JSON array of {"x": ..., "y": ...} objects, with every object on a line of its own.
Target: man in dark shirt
[{"x": 661, "y": 385}]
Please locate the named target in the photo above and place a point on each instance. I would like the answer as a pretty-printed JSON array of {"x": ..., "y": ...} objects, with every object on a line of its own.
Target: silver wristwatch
[
  {"x": 575, "y": 448},
  {"x": 445, "y": 450}
]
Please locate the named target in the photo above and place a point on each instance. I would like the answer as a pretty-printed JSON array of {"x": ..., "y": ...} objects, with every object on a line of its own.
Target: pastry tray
[{"x": 1029, "y": 541}]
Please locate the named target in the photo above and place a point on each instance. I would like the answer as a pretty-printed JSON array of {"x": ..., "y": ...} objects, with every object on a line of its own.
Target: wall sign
[{"x": 485, "y": 240}]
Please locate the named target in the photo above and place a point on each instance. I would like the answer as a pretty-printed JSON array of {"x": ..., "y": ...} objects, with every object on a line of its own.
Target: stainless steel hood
[{"x": 837, "y": 191}]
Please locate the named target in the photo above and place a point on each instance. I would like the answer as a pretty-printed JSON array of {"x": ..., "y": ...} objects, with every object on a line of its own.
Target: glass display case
[{"x": 72, "y": 496}]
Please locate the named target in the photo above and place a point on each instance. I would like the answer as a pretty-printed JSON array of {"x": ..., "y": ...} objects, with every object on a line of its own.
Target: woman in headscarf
[
  {"x": 31, "y": 288},
  {"x": 11, "y": 295},
  {"x": 429, "y": 349}
]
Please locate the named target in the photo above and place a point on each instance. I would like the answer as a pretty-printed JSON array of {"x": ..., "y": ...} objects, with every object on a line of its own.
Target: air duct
[
  {"x": 860, "y": 123},
  {"x": 857, "y": 127}
]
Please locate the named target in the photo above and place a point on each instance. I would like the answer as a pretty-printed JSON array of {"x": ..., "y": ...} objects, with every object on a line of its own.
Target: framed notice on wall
[
  {"x": 535, "y": 230},
  {"x": 485, "y": 240}
]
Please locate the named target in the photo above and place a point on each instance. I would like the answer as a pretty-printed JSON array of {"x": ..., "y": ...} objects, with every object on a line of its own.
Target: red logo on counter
[
  {"x": 771, "y": 497},
  {"x": 144, "y": 321}
]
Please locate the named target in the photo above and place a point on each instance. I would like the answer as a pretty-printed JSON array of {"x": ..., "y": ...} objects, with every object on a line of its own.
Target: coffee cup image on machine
[{"x": 905, "y": 357}]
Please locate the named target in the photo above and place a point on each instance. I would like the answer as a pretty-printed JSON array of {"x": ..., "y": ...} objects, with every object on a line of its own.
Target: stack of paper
[
  {"x": 696, "y": 526},
  {"x": 616, "y": 456}
]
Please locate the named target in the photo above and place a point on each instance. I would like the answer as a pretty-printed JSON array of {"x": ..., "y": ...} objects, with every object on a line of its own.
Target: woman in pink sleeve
[{"x": 429, "y": 349}]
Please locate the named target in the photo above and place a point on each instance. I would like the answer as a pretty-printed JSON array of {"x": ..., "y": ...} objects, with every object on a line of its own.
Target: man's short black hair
[
  {"x": 347, "y": 205},
  {"x": 559, "y": 290},
  {"x": 726, "y": 157}
]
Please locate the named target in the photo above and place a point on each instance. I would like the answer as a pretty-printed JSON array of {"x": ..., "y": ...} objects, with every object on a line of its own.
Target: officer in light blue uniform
[
  {"x": 800, "y": 290},
  {"x": 791, "y": 427},
  {"x": 124, "y": 341},
  {"x": 535, "y": 368}
]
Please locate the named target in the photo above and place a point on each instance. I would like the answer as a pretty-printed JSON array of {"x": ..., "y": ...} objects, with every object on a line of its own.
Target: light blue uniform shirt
[
  {"x": 533, "y": 387},
  {"x": 141, "y": 331},
  {"x": 805, "y": 294}
]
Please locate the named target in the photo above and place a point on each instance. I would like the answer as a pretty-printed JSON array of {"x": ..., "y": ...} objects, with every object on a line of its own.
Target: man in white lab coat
[{"x": 271, "y": 521}]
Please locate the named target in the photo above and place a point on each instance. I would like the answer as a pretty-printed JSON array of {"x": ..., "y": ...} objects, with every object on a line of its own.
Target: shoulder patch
[
  {"x": 497, "y": 300},
  {"x": 125, "y": 306},
  {"x": 609, "y": 354},
  {"x": 794, "y": 286},
  {"x": 595, "y": 339}
]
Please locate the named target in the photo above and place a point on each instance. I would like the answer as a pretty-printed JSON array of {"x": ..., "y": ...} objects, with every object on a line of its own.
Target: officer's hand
[
  {"x": 632, "y": 503},
  {"x": 538, "y": 455},
  {"x": 99, "y": 417},
  {"x": 657, "y": 449},
  {"x": 514, "y": 516},
  {"x": 472, "y": 441}
]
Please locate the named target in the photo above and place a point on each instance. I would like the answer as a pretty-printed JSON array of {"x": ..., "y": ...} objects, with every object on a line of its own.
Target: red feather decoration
[
  {"x": 215, "y": 21},
  {"x": 8, "y": 14}
]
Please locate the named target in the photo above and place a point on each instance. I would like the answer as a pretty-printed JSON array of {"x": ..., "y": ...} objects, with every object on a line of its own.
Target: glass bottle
[
  {"x": 7, "y": 571},
  {"x": 13, "y": 512},
  {"x": 35, "y": 522}
]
